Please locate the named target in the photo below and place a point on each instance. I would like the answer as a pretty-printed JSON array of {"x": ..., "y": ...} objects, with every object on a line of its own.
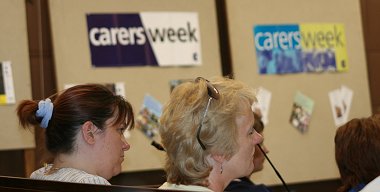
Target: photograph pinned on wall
[
  {"x": 340, "y": 102},
  {"x": 174, "y": 83},
  {"x": 148, "y": 116},
  {"x": 301, "y": 112},
  {"x": 317, "y": 60},
  {"x": 7, "y": 93},
  {"x": 262, "y": 105}
]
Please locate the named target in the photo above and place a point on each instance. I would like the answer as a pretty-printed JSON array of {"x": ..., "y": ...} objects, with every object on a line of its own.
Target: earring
[{"x": 221, "y": 168}]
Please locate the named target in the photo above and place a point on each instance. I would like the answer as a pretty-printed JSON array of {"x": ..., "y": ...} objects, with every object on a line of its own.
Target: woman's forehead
[{"x": 245, "y": 117}]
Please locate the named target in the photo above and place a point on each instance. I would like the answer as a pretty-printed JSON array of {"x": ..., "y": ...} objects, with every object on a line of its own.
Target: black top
[{"x": 244, "y": 184}]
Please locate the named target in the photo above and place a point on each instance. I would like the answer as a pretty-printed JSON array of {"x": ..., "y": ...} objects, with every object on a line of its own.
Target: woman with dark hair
[
  {"x": 357, "y": 153},
  {"x": 84, "y": 128}
]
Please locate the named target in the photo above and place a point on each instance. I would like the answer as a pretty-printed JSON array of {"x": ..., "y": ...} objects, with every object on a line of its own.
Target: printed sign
[
  {"x": 7, "y": 92},
  {"x": 147, "y": 38},
  {"x": 300, "y": 48},
  {"x": 340, "y": 102}
]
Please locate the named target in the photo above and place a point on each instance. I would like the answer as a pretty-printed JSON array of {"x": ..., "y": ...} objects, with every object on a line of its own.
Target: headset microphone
[
  {"x": 274, "y": 168},
  {"x": 157, "y": 145}
]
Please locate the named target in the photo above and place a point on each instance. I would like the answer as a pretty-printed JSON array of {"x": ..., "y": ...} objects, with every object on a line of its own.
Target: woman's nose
[{"x": 126, "y": 145}]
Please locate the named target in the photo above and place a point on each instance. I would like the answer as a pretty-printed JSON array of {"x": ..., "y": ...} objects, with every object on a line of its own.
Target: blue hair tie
[{"x": 45, "y": 110}]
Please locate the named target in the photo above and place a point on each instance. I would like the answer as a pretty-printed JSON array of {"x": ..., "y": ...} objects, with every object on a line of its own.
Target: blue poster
[
  {"x": 297, "y": 48},
  {"x": 278, "y": 49}
]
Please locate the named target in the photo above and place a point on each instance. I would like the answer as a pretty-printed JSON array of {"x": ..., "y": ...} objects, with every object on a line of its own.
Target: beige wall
[
  {"x": 298, "y": 157},
  {"x": 73, "y": 62},
  {"x": 14, "y": 48},
  {"x": 310, "y": 156}
]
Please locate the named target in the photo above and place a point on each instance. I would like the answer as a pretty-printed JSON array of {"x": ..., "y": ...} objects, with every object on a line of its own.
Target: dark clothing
[
  {"x": 244, "y": 184},
  {"x": 357, "y": 188}
]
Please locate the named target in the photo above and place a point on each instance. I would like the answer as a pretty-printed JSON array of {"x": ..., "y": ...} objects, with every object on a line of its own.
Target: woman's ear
[
  {"x": 87, "y": 131},
  {"x": 218, "y": 161},
  {"x": 218, "y": 158}
]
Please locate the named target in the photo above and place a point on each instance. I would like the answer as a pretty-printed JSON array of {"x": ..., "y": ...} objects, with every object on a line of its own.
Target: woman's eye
[{"x": 251, "y": 131}]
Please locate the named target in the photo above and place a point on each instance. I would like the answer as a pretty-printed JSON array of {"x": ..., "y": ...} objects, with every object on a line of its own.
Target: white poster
[
  {"x": 181, "y": 43},
  {"x": 7, "y": 92},
  {"x": 144, "y": 39},
  {"x": 340, "y": 102},
  {"x": 263, "y": 102}
]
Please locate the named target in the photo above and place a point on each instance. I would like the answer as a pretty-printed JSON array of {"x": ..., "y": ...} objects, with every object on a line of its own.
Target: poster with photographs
[
  {"x": 148, "y": 116},
  {"x": 301, "y": 112},
  {"x": 7, "y": 93},
  {"x": 340, "y": 102}
]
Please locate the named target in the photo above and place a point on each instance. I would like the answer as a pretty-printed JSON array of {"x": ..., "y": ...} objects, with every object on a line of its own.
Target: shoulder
[
  {"x": 79, "y": 176},
  {"x": 167, "y": 185},
  {"x": 38, "y": 173},
  {"x": 372, "y": 186},
  {"x": 68, "y": 175}
]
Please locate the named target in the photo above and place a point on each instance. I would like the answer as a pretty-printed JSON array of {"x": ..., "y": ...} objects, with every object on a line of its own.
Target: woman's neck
[
  {"x": 218, "y": 181},
  {"x": 72, "y": 161}
]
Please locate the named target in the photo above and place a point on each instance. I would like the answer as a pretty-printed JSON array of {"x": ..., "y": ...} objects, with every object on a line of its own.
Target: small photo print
[
  {"x": 176, "y": 82},
  {"x": 301, "y": 112},
  {"x": 340, "y": 101},
  {"x": 116, "y": 88},
  {"x": 148, "y": 116}
]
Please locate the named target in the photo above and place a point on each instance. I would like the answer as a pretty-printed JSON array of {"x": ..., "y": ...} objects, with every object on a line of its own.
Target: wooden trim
[
  {"x": 224, "y": 40},
  {"x": 42, "y": 68},
  {"x": 140, "y": 178},
  {"x": 29, "y": 159},
  {"x": 25, "y": 184},
  {"x": 157, "y": 177},
  {"x": 12, "y": 163}
]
